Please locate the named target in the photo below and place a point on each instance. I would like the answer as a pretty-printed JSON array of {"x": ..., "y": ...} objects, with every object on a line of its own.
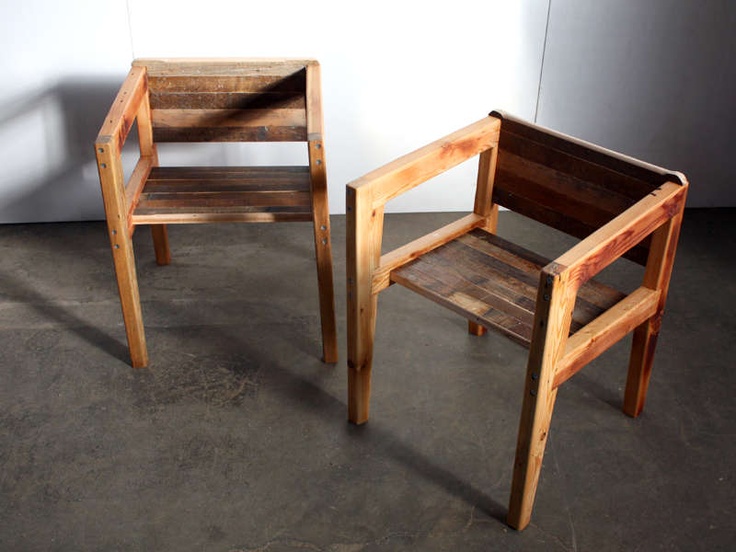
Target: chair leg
[
  {"x": 536, "y": 417},
  {"x": 555, "y": 302},
  {"x": 323, "y": 254},
  {"x": 640, "y": 368},
  {"x": 476, "y": 329},
  {"x": 161, "y": 244},
  {"x": 361, "y": 336},
  {"x": 124, "y": 261}
]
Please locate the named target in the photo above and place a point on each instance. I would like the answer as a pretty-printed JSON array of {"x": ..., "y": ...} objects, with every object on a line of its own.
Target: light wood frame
[
  {"x": 554, "y": 354},
  {"x": 207, "y": 113}
]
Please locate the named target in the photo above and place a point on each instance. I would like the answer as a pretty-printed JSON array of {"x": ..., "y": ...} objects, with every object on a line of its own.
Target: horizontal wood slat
[
  {"x": 586, "y": 151},
  {"x": 493, "y": 283},
  {"x": 208, "y": 125},
  {"x": 559, "y": 197},
  {"x": 243, "y": 83},
  {"x": 160, "y": 67},
  {"x": 228, "y": 100},
  {"x": 607, "y": 179},
  {"x": 204, "y": 194},
  {"x": 605, "y": 331}
]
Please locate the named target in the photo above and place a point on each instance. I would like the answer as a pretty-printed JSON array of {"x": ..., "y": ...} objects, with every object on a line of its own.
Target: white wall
[
  {"x": 655, "y": 79},
  {"x": 395, "y": 75},
  {"x": 59, "y": 65}
]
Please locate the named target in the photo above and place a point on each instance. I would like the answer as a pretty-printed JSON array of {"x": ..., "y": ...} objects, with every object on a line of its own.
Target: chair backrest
[
  {"x": 227, "y": 100},
  {"x": 568, "y": 184}
]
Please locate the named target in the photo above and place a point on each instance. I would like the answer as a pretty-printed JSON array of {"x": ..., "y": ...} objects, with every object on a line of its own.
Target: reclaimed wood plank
[
  {"x": 479, "y": 275},
  {"x": 414, "y": 249},
  {"x": 278, "y": 67},
  {"x": 564, "y": 144},
  {"x": 228, "y": 100}
]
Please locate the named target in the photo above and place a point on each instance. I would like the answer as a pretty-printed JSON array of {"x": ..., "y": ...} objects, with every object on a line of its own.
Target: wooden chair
[
  {"x": 213, "y": 100},
  {"x": 618, "y": 206}
]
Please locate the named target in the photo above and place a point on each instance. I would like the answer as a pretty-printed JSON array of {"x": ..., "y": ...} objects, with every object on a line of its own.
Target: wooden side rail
[
  {"x": 131, "y": 104},
  {"x": 408, "y": 171},
  {"x": 610, "y": 242}
]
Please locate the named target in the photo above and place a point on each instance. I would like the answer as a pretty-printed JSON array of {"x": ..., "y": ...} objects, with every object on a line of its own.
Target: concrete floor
[{"x": 236, "y": 437}]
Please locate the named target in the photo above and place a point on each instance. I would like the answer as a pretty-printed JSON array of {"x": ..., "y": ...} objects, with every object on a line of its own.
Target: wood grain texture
[
  {"x": 119, "y": 120},
  {"x": 416, "y": 248},
  {"x": 204, "y": 194},
  {"x": 363, "y": 244},
  {"x": 619, "y": 206},
  {"x": 320, "y": 209},
  {"x": 110, "y": 169},
  {"x": 553, "y": 313},
  {"x": 410, "y": 170},
  {"x": 604, "y": 331},
  {"x": 493, "y": 282},
  {"x": 657, "y": 277},
  {"x": 597, "y": 251}
]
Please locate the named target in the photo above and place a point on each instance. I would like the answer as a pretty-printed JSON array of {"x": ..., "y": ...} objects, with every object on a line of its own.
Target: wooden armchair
[
  {"x": 213, "y": 100},
  {"x": 618, "y": 206}
]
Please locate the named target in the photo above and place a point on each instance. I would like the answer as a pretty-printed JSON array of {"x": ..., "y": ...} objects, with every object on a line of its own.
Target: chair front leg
[
  {"x": 364, "y": 234},
  {"x": 555, "y": 301}
]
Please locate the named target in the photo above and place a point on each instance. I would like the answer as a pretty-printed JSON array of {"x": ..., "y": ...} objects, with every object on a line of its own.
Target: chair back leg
[
  {"x": 160, "y": 237},
  {"x": 657, "y": 276}
]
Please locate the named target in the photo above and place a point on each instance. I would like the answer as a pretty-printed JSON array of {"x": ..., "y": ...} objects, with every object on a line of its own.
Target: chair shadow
[
  {"x": 300, "y": 391},
  {"x": 55, "y": 179},
  {"x": 16, "y": 290}
]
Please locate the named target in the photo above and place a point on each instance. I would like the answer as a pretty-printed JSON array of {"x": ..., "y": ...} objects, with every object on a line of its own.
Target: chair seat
[
  {"x": 494, "y": 283},
  {"x": 224, "y": 194}
]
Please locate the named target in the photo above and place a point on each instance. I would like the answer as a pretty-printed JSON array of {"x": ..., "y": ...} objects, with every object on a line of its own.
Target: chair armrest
[
  {"x": 408, "y": 171},
  {"x": 118, "y": 199},
  {"x": 611, "y": 241},
  {"x": 124, "y": 110}
]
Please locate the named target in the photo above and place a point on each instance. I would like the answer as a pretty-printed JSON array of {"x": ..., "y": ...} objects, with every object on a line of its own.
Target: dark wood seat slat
[
  {"x": 494, "y": 283},
  {"x": 204, "y": 194}
]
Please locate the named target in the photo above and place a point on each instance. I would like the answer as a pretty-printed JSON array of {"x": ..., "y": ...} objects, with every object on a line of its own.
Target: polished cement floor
[{"x": 236, "y": 439}]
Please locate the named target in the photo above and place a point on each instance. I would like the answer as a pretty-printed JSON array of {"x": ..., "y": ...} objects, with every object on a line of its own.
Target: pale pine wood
[
  {"x": 124, "y": 109},
  {"x": 555, "y": 301},
  {"x": 149, "y": 153},
  {"x": 486, "y": 208},
  {"x": 111, "y": 180},
  {"x": 600, "y": 334},
  {"x": 483, "y": 205},
  {"x": 601, "y": 248},
  {"x": 135, "y": 186},
  {"x": 364, "y": 237},
  {"x": 417, "y": 167},
  {"x": 657, "y": 277}
]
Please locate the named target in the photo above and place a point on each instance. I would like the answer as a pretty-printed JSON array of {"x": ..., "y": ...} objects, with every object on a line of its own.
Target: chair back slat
[
  {"x": 567, "y": 184},
  {"x": 229, "y": 101}
]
